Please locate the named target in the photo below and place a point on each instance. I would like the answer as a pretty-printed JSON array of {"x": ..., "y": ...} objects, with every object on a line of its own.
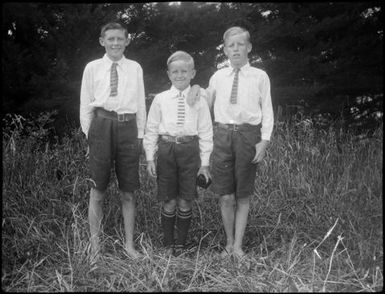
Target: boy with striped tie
[
  {"x": 113, "y": 117},
  {"x": 182, "y": 136},
  {"x": 240, "y": 95}
]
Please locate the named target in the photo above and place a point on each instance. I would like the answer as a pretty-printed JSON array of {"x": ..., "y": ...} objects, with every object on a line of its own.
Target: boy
[
  {"x": 112, "y": 116},
  {"x": 182, "y": 135},
  {"x": 243, "y": 125}
]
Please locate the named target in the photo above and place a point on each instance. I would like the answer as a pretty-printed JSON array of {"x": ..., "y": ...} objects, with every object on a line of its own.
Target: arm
[
  {"x": 86, "y": 97},
  {"x": 267, "y": 120},
  {"x": 150, "y": 139},
  {"x": 141, "y": 112},
  {"x": 205, "y": 134}
]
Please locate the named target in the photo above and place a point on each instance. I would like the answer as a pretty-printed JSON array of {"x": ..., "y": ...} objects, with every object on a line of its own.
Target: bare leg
[
  {"x": 95, "y": 215},
  {"x": 227, "y": 205},
  {"x": 242, "y": 211},
  {"x": 129, "y": 210}
]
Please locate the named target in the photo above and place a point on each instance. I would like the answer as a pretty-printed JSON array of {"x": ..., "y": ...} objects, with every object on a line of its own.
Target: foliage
[
  {"x": 315, "y": 221},
  {"x": 320, "y": 56}
]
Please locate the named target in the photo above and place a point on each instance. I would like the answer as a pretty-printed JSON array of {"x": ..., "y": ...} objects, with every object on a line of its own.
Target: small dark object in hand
[{"x": 201, "y": 181}]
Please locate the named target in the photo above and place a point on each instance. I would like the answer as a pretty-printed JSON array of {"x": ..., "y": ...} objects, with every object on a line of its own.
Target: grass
[{"x": 315, "y": 222}]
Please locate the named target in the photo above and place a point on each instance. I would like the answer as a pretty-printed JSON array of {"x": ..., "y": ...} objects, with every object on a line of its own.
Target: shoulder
[
  {"x": 219, "y": 74},
  {"x": 257, "y": 72},
  {"x": 162, "y": 96},
  {"x": 132, "y": 64},
  {"x": 94, "y": 63}
]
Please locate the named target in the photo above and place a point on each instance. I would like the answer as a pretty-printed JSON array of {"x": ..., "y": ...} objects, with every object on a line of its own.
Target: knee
[
  {"x": 243, "y": 201},
  {"x": 184, "y": 205},
  {"x": 169, "y": 205},
  {"x": 127, "y": 197},
  {"x": 227, "y": 200},
  {"x": 97, "y": 195}
]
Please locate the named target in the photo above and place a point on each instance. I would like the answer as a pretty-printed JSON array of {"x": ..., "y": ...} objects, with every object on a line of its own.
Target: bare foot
[
  {"x": 228, "y": 251},
  {"x": 132, "y": 253},
  {"x": 239, "y": 253}
]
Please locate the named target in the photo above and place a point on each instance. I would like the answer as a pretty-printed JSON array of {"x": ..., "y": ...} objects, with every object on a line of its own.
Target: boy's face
[
  {"x": 115, "y": 42},
  {"x": 237, "y": 49},
  {"x": 180, "y": 74}
]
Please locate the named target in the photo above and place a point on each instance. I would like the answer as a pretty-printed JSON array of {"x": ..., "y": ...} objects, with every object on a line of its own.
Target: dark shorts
[
  {"x": 232, "y": 170},
  {"x": 177, "y": 169},
  {"x": 114, "y": 144}
]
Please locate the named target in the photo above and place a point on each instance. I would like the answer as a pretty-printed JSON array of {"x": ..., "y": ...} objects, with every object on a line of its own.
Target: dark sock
[
  {"x": 183, "y": 220},
  {"x": 168, "y": 222}
]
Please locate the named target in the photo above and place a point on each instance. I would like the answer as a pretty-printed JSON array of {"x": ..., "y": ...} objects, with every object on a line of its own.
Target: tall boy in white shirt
[
  {"x": 113, "y": 117},
  {"x": 243, "y": 125},
  {"x": 182, "y": 136}
]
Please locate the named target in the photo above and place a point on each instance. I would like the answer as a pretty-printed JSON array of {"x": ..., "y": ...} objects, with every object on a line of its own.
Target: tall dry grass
[{"x": 315, "y": 221}]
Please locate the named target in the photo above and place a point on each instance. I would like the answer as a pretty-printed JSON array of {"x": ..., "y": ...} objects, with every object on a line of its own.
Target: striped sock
[
  {"x": 168, "y": 222},
  {"x": 182, "y": 225}
]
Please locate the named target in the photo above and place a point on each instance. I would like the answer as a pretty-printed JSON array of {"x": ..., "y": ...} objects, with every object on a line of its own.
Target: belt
[
  {"x": 178, "y": 139},
  {"x": 234, "y": 127},
  {"x": 114, "y": 116}
]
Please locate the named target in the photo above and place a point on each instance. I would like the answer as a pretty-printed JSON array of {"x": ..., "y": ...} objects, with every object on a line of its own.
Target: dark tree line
[{"x": 322, "y": 57}]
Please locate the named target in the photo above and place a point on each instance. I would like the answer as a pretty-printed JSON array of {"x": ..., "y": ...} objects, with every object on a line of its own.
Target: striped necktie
[
  {"x": 234, "y": 90},
  {"x": 114, "y": 80},
  {"x": 181, "y": 110}
]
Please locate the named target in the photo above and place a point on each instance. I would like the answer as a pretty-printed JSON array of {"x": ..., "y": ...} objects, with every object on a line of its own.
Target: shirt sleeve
[
  {"x": 150, "y": 139},
  {"x": 205, "y": 133},
  {"x": 210, "y": 93},
  {"x": 86, "y": 97},
  {"x": 267, "y": 109},
  {"x": 141, "y": 112}
]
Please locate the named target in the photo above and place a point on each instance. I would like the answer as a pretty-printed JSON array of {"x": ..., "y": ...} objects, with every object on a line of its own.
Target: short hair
[
  {"x": 235, "y": 31},
  {"x": 113, "y": 26},
  {"x": 181, "y": 55}
]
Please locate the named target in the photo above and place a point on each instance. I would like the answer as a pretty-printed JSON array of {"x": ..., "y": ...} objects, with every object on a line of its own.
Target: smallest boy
[{"x": 182, "y": 136}]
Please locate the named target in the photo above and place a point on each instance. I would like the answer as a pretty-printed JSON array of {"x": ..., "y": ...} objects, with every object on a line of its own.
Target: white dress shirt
[
  {"x": 162, "y": 120},
  {"x": 254, "y": 104},
  {"x": 95, "y": 91}
]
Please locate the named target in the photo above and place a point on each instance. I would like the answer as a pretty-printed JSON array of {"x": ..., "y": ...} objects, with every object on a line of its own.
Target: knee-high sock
[
  {"x": 183, "y": 220},
  {"x": 168, "y": 223}
]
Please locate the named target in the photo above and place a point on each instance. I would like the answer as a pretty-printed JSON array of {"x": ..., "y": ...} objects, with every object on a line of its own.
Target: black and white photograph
[{"x": 192, "y": 146}]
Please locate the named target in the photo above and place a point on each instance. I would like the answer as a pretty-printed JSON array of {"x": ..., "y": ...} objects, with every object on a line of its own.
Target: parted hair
[
  {"x": 235, "y": 31},
  {"x": 181, "y": 55},
  {"x": 113, "y": 26}
]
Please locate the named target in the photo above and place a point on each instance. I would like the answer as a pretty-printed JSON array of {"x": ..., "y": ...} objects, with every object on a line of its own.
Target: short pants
[
  {"x": 114, "y": 144},
  {"x": 177, "y": 168},
  {"x": 232, "y": 170}
]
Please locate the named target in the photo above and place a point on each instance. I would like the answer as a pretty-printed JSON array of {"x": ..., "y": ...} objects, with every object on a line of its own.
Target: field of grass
[{"x": 315, "y": 221}]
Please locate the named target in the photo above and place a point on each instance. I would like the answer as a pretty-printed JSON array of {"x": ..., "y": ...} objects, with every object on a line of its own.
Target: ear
[
  {"x": 128, "y": 41},
  {"x": 225, "y": 51},
  {"x": 193, "y": 73},
  {"x": 101, "y": 41},
  {"x": 249, "y": 47}
]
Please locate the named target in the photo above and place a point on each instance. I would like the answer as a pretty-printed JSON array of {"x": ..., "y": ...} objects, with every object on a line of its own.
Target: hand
[
  {"x": 193, "y": 95},
  {"x": 260, "y": 150},
  {"x": 205, "y": 171},
  {"x": 151, "y": 168}
]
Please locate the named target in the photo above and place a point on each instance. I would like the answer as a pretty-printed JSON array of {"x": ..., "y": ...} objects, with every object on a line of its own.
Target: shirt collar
[
  {"x": 243, "y": 69},
  {"x": 174, "y": 92},
  {"x": 109, "y": 62}
]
